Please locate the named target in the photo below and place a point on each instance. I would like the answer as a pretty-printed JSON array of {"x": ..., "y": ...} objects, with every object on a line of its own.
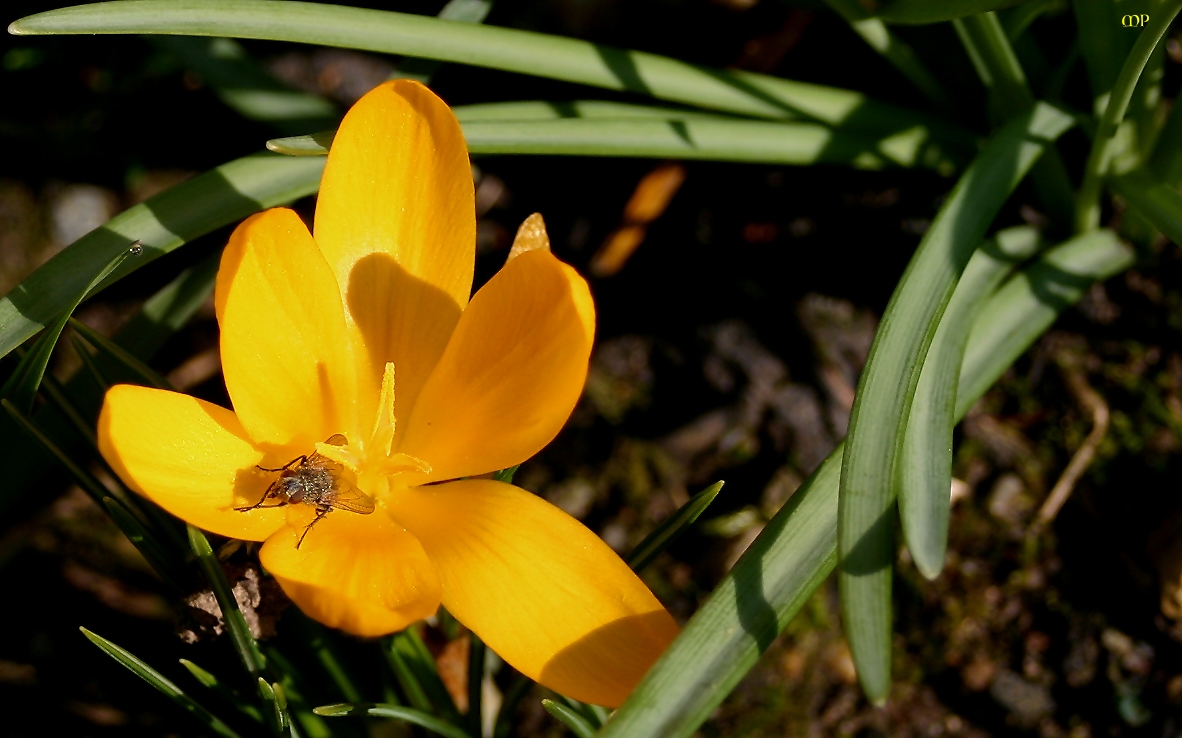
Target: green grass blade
[
  {"x": 227, "y": 695},
  {"x": 162, "y": 223},
  {"x": 320, "y": 642},
  {"x": 21, "y": 388},
  {"x": 715, "y": 138},
  {"x": 115, "y": 354},
  {"x": 1028, "y": 303},
  {"x": 157, "y": 680},
  {"x": 519, "y": 110},
  {"x": 672, "y": 528},
  {"x": 81, "y": 477},
  {"x": 55, "y": 393},
  {"x": 162, "y": 315},
  {"x": 1017, "y": 19},
  {"x": 878, "y": 36},
  {"x": 1154, "y": 199},
  {"x": 797, "y": 549},
  {"x": 244, "y": 642},
  {"x": 1105, "y": 145},
  {"x": 925, "y": 472},
  {"x": 1166, "y": 159},
  {"x": 568, "y": 717},
  {"x": 866, "y": 529},
  {"x": 417, "y": 674},
  {"x": 506, "y": 49},
  {"x": 396, "y": 712},
  {"x": 997, "y": 65},
  {"x": 163, "y": 561},
  {"x": 934, "y": 11},
  {"x": 248, "y": 89}
]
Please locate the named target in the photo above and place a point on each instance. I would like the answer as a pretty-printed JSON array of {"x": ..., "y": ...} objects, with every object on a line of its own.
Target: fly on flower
[{"x": 314, "y": 480}]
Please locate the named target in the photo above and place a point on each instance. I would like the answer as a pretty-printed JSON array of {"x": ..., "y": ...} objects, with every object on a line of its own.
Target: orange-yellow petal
[
  {"x": 287, "y": 363},
  {"x": 511, "y": 374},
  {"x": 188, "y": 456},
  {"x": 396, "y": 219},
  {"x": 361, "y": 573},
  {"x": 540, "y": 589}
]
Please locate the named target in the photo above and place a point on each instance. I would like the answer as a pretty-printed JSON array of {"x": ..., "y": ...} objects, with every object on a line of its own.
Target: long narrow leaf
[
  {"x": 157, "y": 680},
  {"x": 1104, "y": 144},
  {"x": 1028, "y": 303},
  {"x": 117, "y": 355},
  {"x": 901, "y": 56},
  {"x": 934, "y": 11},
  {"x": 161, "y": 557},
  {"x": 246, "y": 87},
  {"x": 997, "y": 65},
  {"x": 244, "y": 642},
  {"x": 162, "y": 223},
  {"x": 21, "y": 388},
  {"x": 1154, "y": 199},
  {"x": 507, "y": 49},
  {"x": 227, "y": 696},
  {"x": 925, "y": 473},
  {"x": 397, "y": 712},
  {"x": 692, "y": 137},
  {"x": 162, "y": 315},
  {"x": 866, "y": 528},
  {"x": 672, "y": 528},
  {"x": 797, "y": 549}
]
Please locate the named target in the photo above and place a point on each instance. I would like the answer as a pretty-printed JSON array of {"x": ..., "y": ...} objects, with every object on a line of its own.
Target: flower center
[{"x": 372, "y": 461}]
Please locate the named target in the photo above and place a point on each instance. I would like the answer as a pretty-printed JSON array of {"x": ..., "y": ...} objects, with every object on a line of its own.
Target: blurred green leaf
[
  {"x": 885, "y": 391},
  {"x": 798, "y": 548},
  {"x": 934, "y": 11},
  {"x": 997, "y": 65},
  {"x": 506, "y": 49},
  {"x": 925, "y": 471},
  {"x": 414, "y": 668},
  {"x": 81, "y": 477},
  {"x": 21, "y": 388},
  {"x": 163, "y": 314},
  {"x": 397, "y": 712},
  {"x": 157, "y": 680},
  {"x": 672, "y": 527},
  {"x": 163, "y": 560},
  {"x": 248, "y": 89},
  {"x": 321, "y": 643},
  {"x": 898, "y": 52},
  {"x": 1154, "y": 199},
  {"x": 568, "y": 717},
  {"x": 244, "y": 642},
  {"x": 161, "y": 223},
  {"x": 1105, "y": 145},
  {"x": 117, "y": 355},
  {"x": 227, "y": 696}
]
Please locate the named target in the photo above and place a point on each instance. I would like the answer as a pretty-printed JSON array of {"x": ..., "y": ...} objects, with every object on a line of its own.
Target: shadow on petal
[
  {"x": 402, "y": 319},
  {"x": 604, "y": 666}
]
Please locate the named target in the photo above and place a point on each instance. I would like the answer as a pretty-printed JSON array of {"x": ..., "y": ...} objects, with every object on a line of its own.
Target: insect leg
[
  {"x": 266, "y": 496},
  {"x": 285, "y": 467},
  {"x": 321, "y": 511}
]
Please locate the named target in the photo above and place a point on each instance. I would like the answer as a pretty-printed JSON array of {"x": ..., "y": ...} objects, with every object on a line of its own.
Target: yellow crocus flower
[{"x": 365, "y": 329}]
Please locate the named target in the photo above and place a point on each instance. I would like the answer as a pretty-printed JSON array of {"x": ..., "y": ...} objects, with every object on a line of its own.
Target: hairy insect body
[{"x": 314, "y": 480}]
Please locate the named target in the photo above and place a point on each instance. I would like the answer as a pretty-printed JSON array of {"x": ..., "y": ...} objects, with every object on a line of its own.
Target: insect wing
[{"x": 345, "y": 496}]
